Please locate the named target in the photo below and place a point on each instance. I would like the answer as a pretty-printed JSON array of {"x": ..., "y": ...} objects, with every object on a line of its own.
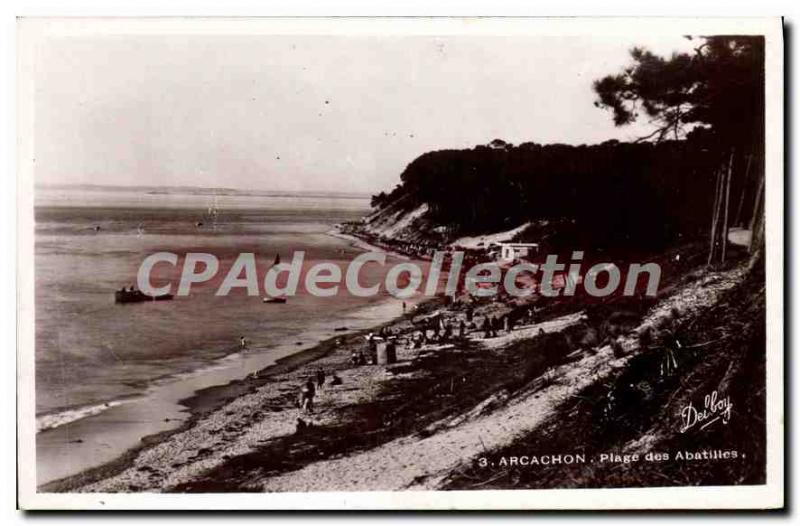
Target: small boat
[
  {"x": 274, "y": 300},
  {"x": 137, "y": 296}
]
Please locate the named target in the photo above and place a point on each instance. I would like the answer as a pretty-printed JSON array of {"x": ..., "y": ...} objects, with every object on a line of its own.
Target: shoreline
[
  {"x": 246, "y": 435},
  {"x": 365, "y": 244},
  {"x": 208, "y": 399},
  {"x": 200, "y": 403}
]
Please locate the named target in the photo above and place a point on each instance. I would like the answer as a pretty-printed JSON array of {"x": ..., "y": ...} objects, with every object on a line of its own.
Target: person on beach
[
  {"x": 302, "y": 425},
  {"x": 357, "y": 358},
  {"x": 486, "y": 327},
  {"x": 320, "y": 378},
  {"x": 242, "y": 342},
  {"x": 307, "y": 394},
  {"x": 372, "y": 349}
]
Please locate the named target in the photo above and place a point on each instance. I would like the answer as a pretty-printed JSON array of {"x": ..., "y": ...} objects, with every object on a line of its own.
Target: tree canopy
[
  {"x": 715, "y": 93},
  {"x": 612, "y": 193}
]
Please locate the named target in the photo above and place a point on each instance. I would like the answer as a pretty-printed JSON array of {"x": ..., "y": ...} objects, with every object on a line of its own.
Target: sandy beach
[
  {"x": 204, "y": 401},
  {"x": 411, "y": 424}
]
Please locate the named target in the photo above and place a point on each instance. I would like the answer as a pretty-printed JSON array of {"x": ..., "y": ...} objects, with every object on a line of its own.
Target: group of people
[
  {"x": 308, "y": 391},
  {"x": 357, "y": 357},
  {"x": 436, "y": 328},
  {"x": 411, "y": 248},
  {"x": 441, "y": 333},
  {"x": 443, "y": 330},
  {"x": 492, "y": 325}
]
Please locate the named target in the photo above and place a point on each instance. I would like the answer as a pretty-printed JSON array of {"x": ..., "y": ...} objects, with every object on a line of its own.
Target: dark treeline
[
  {"x": 610, "y": 194},
  {"x": 708, "y": 108}
]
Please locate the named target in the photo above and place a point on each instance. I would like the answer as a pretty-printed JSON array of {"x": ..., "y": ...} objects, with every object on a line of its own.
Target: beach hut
[
  {"x": 511, "y": 252},
  {"x": 387, "y": 353}
]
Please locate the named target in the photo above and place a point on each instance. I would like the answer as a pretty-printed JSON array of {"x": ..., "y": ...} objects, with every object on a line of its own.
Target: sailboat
[
  {"x": 275, "y": 300},
  {"x": 213, "y": 213}
]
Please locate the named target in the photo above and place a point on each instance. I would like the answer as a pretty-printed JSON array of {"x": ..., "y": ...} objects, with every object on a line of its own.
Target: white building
[{"x": 515, "y": 251}]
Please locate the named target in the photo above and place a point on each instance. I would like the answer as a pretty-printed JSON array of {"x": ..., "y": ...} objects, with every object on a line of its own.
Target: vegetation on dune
[
  {"x": 638, "y": 411},
  {"x": 615, "y": 194}
]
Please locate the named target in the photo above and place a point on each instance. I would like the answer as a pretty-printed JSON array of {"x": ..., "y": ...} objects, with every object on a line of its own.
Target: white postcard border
[{"x": 770, "y": 495}]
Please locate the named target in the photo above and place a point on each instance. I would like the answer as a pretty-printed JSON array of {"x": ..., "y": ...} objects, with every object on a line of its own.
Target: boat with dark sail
[
  {"x": 137, "y": 296},
  {"x": 274, "y": 300}
]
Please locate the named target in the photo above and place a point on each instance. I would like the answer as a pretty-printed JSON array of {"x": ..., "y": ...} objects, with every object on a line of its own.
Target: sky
[{"x": 322, "y": 113}]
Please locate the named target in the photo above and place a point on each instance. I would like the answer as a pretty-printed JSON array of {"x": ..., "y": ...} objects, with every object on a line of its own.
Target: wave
[{"x": 54, "y": 420}]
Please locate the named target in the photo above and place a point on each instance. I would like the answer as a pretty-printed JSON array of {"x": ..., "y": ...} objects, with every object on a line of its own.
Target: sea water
[{"x": 109, "y": 374}]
